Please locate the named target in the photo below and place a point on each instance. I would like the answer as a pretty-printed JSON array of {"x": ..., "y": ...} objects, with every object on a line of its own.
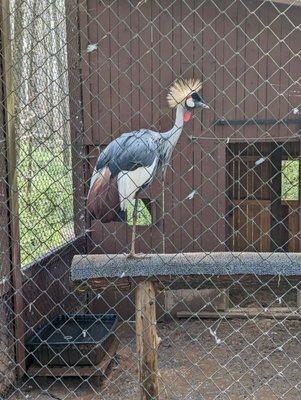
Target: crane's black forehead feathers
[{"x": 196, "y": 96}]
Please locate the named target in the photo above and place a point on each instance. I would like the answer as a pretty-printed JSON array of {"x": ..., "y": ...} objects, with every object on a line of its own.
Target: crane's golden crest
[{"x": 182, "y": 89}]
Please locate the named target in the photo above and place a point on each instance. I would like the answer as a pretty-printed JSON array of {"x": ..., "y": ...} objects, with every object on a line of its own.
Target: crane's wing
[
  {"x": 127, "y": 165},
  {"x": 129, "y": 152}
]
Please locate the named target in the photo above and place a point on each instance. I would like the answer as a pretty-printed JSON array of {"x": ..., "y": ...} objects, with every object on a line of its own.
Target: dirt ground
[{"x": 234, "y": 359}]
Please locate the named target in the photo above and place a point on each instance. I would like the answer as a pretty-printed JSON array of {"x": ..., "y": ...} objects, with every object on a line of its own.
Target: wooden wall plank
[
  {"x": 199, "y": 120},
  {"x": 205, "y": 67},
  {"x": 263, "y": 48},
  {"x": 175, "y": 231},
  {"x": 251, "y": 29},
  {"x": 273, "y": 69},
  {"x": 185, "y": 177},
  {"x": 76, "y": 119},
  {"x": 161, "y": 40},
  {"x": 85, "y": 70},
  {"x": 123, "y": 110}
]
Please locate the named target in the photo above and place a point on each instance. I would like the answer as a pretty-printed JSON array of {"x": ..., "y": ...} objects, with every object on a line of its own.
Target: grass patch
[
  {"x": 290, "y": 180},
  {"x": 45, "y": 200},
  {"x": 144, "y": 216}
]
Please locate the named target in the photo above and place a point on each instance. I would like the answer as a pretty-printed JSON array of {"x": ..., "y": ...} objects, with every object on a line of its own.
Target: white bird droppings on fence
[
  {"x": 191, "y": 195},
  {"x": 92, "y": 47},
  {"x": 260, "y": 161},
  {"x": 140, "y": 3},
  {"x": 213, "y": 333},
  {"x": 296, "y": 111}
]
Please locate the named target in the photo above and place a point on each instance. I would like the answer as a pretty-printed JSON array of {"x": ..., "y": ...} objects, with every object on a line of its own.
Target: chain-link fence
[{"x": 170, "y": 267}]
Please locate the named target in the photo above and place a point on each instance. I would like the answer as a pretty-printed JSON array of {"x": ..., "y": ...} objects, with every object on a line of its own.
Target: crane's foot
[{"x": 137, "y": 256}]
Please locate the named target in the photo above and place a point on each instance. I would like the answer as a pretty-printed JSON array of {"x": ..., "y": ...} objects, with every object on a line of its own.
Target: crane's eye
[{"x": 190, "y": 102}]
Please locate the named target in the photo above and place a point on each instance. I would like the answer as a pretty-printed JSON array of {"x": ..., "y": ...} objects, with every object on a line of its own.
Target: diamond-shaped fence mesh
[{"x": 164, "y": 263}]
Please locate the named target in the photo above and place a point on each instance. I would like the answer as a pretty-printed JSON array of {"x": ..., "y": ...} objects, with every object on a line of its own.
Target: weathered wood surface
[
  {"x": 191, "y": 282},
  {"x": 85, "y": 267},
  {"x": 147, "y": 341},
  {"x": 245, "y": 313},
  {"x": 195, "y": 300}
]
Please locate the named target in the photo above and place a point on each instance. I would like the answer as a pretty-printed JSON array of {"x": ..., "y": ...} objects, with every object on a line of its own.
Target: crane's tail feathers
[
  {"x": 103, "y": 198},
  {"x": 181, "y": 89}
]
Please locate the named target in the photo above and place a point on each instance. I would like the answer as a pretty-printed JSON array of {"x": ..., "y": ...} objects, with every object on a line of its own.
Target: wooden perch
[{"x": 222, "y": 264}]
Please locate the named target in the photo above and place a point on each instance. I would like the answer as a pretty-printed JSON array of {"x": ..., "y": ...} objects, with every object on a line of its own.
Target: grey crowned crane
[{"x": 130, "y": 163}]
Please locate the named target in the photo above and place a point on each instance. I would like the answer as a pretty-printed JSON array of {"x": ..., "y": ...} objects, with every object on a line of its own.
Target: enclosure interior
[{"x": 84, "y": 72}]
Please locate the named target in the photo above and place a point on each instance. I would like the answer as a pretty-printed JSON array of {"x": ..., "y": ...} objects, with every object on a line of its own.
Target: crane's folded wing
[{"x": 129, "y": 152}]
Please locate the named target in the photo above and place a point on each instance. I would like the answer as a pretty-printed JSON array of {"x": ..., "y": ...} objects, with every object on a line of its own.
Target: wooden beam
[
  {"x": 245, "y": 313},
  {"x": 147, "y": 341},
  {"x": 292, "y": 204},
  {"x": 264, "y": 139},
  {"x": 194, "y": 281},
  {"x": 296, "y": 3}
]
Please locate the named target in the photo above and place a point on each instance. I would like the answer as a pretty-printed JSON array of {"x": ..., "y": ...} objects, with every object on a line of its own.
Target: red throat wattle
[{"x": 187, "y": 116}]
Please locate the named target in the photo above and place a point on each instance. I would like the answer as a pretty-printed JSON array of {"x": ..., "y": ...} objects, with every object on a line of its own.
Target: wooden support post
[
  {"x": 9, "y": 114},
  {"x": 224, "y": 300},
  {"x": 147, "y": 341}
]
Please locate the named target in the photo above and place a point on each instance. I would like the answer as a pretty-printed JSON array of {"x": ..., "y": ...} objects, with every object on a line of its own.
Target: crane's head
[{"x": 185, "y": 92}]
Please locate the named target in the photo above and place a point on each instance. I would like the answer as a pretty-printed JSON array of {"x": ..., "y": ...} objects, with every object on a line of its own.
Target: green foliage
[
  {"x": 45, "y": 200},
  {"x": 290, "y": 180},
  {"x": 144, "y": 216}
]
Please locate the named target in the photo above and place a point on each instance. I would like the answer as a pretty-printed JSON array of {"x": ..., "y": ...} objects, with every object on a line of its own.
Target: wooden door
[{"x": 254, "y": 190}]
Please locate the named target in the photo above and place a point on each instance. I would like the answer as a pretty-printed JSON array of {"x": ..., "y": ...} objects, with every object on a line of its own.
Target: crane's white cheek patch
[{"x": 190, "y": 102}]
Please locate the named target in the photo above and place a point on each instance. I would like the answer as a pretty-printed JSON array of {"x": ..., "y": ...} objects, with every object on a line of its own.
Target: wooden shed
[{"x": 223, "y": 189}]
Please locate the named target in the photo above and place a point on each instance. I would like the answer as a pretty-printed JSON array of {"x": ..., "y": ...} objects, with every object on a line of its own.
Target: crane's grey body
[
  {"x": 130, "y": 151},
  {"x": 139, "y": 149}
]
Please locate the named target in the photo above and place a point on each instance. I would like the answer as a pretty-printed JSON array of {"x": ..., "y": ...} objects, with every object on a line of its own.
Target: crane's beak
[{"x": 200, "y": 104}]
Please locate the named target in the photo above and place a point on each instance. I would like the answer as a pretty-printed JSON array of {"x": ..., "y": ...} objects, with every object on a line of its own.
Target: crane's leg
[
  {"x": 135, "y": 217},
  {"x": 133, "y": 253}
]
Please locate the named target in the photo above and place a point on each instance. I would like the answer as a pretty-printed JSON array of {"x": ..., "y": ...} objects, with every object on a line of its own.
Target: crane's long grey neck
[
  {"x": 171, "y": 138},
  {"x": 175, "y": 132}
]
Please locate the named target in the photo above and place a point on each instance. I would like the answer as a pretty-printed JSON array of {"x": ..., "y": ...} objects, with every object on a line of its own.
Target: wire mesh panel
[{"x": 163, "y": 263}]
